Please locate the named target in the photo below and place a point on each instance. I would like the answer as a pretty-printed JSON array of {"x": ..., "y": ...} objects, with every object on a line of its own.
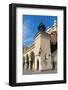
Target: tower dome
[{"x": 41, "y": 27}]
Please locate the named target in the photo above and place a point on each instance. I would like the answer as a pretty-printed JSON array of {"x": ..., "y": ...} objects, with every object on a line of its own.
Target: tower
[{"x": 42, "y": 49}]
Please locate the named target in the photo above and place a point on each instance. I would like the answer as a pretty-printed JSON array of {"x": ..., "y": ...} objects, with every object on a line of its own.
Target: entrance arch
[{"x": 32, "y": 56}]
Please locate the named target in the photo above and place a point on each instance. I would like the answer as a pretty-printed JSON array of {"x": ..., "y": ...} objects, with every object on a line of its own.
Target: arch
[
  {"x": 27, "y": 61},
  {"x": 32, "y": 56},
  {"x": 53, "y": 62},
  {"x": 37, "y": 64},
  {"x": 23, "y": 62},
  {"x": 53, "y": 65}
]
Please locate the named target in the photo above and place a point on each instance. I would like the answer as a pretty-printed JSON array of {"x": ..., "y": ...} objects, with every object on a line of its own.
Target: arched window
[{"x": 32, "y": 56}]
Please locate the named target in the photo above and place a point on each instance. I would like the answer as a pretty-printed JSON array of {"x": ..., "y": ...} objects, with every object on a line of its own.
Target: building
[{"x": 41, "y": 55}]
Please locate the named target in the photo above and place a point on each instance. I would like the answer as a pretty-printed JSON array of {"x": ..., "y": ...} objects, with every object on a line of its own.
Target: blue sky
[{"x": 30, "y": 26}]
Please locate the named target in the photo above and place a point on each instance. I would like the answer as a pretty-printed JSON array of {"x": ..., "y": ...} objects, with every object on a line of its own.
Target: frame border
[{"x": 12, "y": 44}]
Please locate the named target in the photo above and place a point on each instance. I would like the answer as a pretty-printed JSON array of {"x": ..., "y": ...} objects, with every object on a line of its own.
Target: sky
[{"x": 30, "y": 26}]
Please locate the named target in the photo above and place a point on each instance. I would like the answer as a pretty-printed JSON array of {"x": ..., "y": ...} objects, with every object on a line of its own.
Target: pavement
[{"x": 28, "y": 72}]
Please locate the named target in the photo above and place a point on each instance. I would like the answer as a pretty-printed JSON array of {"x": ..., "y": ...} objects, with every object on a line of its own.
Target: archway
[
  {"x": 53, "y": 62},
  {"x": 23, "y": 62},
  {"x": 32, "y": 56},
  {"x": 37, "y": 64},
  {"x": 27, "y": 61}
]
